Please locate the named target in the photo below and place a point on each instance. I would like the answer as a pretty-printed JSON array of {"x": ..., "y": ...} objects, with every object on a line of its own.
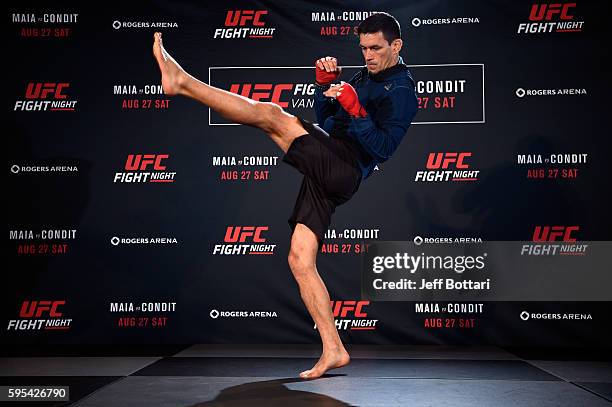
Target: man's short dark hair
[{"x": 384, "y": 22}]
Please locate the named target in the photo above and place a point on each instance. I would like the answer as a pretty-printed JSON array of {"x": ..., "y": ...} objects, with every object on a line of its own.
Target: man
[{"x": 363, "y": 122}]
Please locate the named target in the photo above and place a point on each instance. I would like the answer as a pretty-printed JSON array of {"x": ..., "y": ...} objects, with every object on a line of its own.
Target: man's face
[{"x": 377, "y": 52}]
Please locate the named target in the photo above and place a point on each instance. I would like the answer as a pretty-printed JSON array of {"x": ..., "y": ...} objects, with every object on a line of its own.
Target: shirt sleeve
[
  {"x": 324, "y": 107},
  {"x": 380, "y": 136}
]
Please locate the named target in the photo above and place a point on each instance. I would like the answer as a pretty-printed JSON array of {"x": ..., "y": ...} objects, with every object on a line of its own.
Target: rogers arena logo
[
  {"x": 533, "y": 315},
  {"x": 521, "y": 93},
  {"x": 142, "y": 321},
  {"x": 448, "y": 167},
  {"x": 419, "y": 240},
  {"x": 118, "y": 24},
  {"x": 353, "y": 240},
  {"x": 247, "y": 162},
  {"x": 116, "y": 241},
  {"x": 552, "y": 166},
  {"x": 544, "y": 238},
  {"x": 241, "y": 240},
  {"x": 419, "y": 22},
  {"x": 46, "y": 96},
  {"x": 215, "y": 313},
  {"x": 347, "y": 21},
  {"x": 44, "y": 25},
  {"x": 33, "y": 243},
  {"x": 35, "y": 169},
  {"x": 142, "y": 97},
  {"x": 245, "y": 24},
  {"x": 136, "y": 167},
  {"x": 352, "y": 315},
  {"x": 551, "y": 17},
  {"x": 39, "y": 316}
]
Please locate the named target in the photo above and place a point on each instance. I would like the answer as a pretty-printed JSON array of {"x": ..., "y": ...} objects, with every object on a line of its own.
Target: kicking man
[{"x": 362, "y": 124}]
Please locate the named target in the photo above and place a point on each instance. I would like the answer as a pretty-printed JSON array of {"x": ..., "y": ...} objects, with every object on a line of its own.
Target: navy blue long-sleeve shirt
[{"x": 390, "y": 100}]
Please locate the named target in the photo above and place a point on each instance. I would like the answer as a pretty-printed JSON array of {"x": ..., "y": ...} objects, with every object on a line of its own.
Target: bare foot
[
  {"x": 172, "y": 73},
  {"x": 329, "y": 360}
]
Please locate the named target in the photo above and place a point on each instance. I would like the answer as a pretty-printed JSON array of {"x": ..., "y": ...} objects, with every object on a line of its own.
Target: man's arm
[
  {"x": 381, "y": 138},
  {"x": 326, "y": 72},
  {"x": 324, "y": 106}
]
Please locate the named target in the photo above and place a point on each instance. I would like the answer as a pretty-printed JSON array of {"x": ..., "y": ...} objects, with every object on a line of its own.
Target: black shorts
[{"x": 331, "y": 177}]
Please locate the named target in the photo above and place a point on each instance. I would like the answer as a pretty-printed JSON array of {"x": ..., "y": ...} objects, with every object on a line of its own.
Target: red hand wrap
[
  {"x": 348, "y": 99},
  {"x": 325, "y": 78}
]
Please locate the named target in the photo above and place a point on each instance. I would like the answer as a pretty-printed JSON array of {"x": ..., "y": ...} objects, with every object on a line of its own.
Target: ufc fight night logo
[
  {"x": 245, "y": 24},
  {"x": 544, "y": 242},
  {"x": 32, "y": 317},
  {"x": 448, "y": 167},
  {"x": 140, "y": 168},
  {"x": 46, "y": 96},
  {"x": 554, "y": 233},
  {"x": 281, "y": 93},
  {"x": 551, "y": 17},
  {"x": 291, "y": 87},
  {"x": 241, "y": 240},
  {"x": 351, "y": 314}
]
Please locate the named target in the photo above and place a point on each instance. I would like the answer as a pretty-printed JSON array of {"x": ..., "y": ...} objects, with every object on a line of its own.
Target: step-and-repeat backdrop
[{"x": 136, "y": 217}]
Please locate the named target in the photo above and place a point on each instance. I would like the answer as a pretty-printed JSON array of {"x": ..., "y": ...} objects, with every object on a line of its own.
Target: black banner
[{"x": 137, "y": 217}]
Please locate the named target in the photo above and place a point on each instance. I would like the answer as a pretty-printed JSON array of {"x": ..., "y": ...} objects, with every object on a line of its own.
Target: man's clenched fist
[
  {"x": 327, "y": 70},
  {"x": 348, "y": 99}
]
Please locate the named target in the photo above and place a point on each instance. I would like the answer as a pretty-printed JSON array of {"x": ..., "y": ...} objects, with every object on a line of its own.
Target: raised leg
[
  {"x": 281, "y": 126},
  {"x": 302, "y": 260}
]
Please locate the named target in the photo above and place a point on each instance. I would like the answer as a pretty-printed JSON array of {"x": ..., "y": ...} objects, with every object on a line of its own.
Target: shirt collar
[{"x": 386, "y": 73}]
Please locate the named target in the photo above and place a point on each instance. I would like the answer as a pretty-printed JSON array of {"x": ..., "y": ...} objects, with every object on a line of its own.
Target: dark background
[{"x": 197, "y": 208}]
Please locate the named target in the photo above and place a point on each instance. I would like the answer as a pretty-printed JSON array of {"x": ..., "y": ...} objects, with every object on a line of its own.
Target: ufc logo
[
  {"x": 241, "y": 17},
  {"x": 553, "y": 233},
  {"x": 249, "y": 91},
  {"x": 30, "y": 309},
  {"x": 546, "y": 12},
  {"x": 240, "y": 234},
  {"x": 436, "y": 161},
  {"x": 38, "y": 90},
  {"x": 141, "y": 162},
  {"x": 342, "y": 308}
]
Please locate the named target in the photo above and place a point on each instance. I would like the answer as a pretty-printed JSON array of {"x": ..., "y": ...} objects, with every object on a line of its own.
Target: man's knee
[
  {"x": 299, "y": 262},
  {"x": 303, "y": 252},
  {"x": 270, "y": 116}
]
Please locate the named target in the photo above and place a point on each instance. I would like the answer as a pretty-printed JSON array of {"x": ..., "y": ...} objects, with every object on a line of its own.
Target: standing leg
[
  {"x": 302, "y": 260},
  {"x": 281, "y": 126}
]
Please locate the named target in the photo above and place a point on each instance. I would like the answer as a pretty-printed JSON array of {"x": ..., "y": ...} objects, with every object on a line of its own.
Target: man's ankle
[
  {"x": 334, "y": 347},
  {"x": 181, "y": 82}
]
